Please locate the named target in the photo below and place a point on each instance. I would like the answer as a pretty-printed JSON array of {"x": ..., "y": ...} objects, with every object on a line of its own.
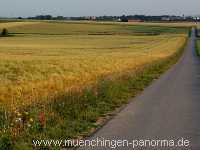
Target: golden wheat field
[{"x": 43, "y": 59}]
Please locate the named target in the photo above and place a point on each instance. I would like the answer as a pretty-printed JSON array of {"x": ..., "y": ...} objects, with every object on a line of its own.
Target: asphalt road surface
[{"x": 169, "y": 109}]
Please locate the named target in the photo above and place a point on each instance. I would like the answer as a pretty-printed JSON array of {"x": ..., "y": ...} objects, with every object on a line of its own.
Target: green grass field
[{"x": 72, "y": 74}]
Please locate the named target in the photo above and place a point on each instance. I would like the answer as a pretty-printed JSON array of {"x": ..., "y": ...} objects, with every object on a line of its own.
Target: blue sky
[{"x": 14, "y": 8}]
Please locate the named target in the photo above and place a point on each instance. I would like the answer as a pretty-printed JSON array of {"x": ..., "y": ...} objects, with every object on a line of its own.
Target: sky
[{"x": 25, "y": 8}]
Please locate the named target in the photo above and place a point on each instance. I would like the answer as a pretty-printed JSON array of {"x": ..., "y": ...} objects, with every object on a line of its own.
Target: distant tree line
[
  {"x": 156, "y": 18},
  {"x": 123, "y": 18}
]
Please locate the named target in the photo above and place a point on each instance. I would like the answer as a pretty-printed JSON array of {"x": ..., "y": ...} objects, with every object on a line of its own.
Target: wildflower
[
  {"x": 26, "y": 113},
  {"x": 42, "y": 119},
  {"x": 19, "y": 114},
  {"x": 18, "y": 120},
  {"x": 31, "y": 120}
]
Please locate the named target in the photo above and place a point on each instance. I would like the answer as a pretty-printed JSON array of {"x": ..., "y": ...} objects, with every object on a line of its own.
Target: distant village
[{"x": 124, "y": 18}]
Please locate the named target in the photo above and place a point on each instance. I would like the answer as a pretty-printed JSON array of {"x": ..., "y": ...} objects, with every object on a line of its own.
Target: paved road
[{"x": 168, "y": 109}]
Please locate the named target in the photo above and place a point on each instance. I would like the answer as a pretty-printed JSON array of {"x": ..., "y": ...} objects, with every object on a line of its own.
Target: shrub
[{"x": 4, "y": 32}]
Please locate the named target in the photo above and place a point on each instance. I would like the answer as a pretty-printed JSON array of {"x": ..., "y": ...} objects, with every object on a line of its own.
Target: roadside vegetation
[
  {"x": 197, "y": 31},
  {"x": 198, "y": 47},
  {"x": 61, "y": 80}
]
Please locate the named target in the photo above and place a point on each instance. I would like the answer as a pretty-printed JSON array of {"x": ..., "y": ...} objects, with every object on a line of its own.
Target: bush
[{"x": 4, "y": 32}]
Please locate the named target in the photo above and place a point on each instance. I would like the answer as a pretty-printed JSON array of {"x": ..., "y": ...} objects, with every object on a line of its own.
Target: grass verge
[
  {"x": 197, "y": 42},
  {"x": 198, "y": 46},
  {"x": 77, "y": 114}
]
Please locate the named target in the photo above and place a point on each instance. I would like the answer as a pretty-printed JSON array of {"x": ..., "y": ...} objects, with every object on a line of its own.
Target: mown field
[{"x": 57, "y": 79}]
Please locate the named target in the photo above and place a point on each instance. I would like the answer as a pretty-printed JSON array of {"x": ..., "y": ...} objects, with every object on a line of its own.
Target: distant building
[
  {"x": 92, "y": 18},
  {"x": 165, "y": 18},
  {"x": 172, "y": 18}
]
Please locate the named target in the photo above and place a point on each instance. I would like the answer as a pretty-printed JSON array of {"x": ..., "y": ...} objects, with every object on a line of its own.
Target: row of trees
[
  {"x": 46, "y": 17},
  {"x": 116, "y": 18}
]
